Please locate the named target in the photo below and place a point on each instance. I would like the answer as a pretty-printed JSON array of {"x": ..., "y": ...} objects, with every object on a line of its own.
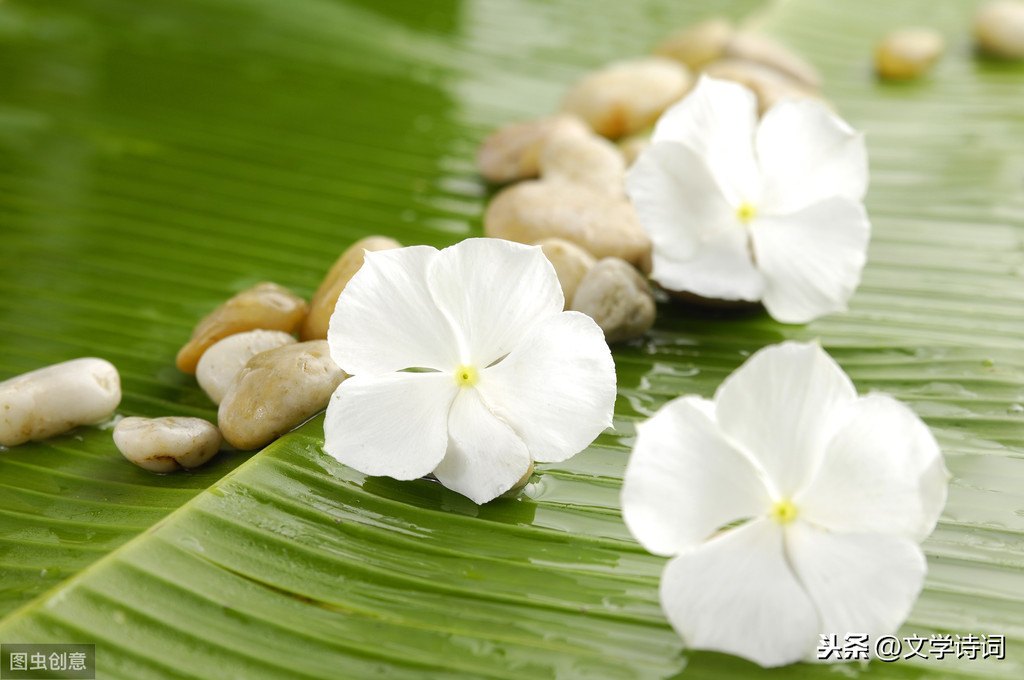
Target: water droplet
[{"x": 191, "y": 543}]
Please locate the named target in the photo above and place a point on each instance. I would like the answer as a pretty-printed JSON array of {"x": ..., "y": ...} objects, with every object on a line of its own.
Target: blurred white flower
[
  {"x": 742, "y": 209},
  {"x": 463, "y": 364},
  {"x": 790, "y": 507}
]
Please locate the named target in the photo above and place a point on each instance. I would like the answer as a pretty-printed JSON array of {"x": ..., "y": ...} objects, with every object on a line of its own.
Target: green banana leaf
[{"x": 156, "y": 157}]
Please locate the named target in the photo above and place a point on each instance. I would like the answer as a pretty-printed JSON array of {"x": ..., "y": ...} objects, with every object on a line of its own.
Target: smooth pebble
[
  {"x": 276, "y": 391},
  {"x": 220, "y": 365},
  {"x": 266, "y": 306},
  {"x": 602, "y": 225},
  {"x": 167, "y": 444},
  {"x": 512, "y": 153},
  {"x": 908, "y": 53},
  {"x": 344, "y": 268},
  {"x": 627, "y": 96},
  {"x": 999, "y": 29},
  {"x": 585, "y": 159},
  {"x": 571, "y": 263},
  {"x": 618, "y": 298},
  {"x": 50, "y": 401}
]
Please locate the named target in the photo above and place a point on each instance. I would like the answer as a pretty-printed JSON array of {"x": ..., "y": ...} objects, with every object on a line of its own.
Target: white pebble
[
  {"x": 627, "y": 96},
  {"x": 571, "y": 264},
  {"x": 618, "y": 298},
  {"x": 999, "y": 29},
  {"x": 52, "y": 400},
  {"x": 586, "y": 159},
  {"x": 220, "y": 365},
  {"x": 512, "y": 152},
  {"x": 167, "y": 444},
  {"x": 602, "y": 225}
]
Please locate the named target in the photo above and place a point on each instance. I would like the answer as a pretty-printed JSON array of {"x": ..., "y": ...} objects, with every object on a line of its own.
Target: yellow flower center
[
  {"x": 746, "y": 212},
  {"x": 784, "y": 511},
  {"x": 466, "y": 376}
]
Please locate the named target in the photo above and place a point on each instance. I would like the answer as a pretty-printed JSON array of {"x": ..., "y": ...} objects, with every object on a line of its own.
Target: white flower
[
  {"x": 739, "y": 209},
  {"x": 791, "y": 507},
  {"x": 464, "y": 365}
]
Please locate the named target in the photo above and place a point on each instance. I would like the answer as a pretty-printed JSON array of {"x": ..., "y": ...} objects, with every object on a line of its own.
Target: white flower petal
[
  {"x": 737, "y": 594},
  {"x": 485, "y": 457},
  {"x": 699, "y": 243},
  {"x": 717, "y": 120},
  {"x": 722, "y": 270},
  {"x": 859, "y": 583},
  {"x": 882, "y": 472},
  {"x": 684, "y": 480},
  {"x": 395, "y": 425},
  {"x": 557, "y": 389},
  {"x": 812, "y": 259},
  {"x": 386, "y": 319},
  {"x": 808, "y": 154},
  {"x": 782, "y": 405},
  {"x": 494, "y": 291}
]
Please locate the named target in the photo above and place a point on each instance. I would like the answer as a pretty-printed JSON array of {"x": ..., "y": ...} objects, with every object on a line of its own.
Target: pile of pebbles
[
  {"x": 262, "y": 355},
  {"x": 564, "y": 175}
]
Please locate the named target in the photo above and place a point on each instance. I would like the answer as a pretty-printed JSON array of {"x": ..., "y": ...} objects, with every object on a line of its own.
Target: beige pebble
[
  {"x": 908, "y": 53},
  {"x": 50, "y": 401},
  {"x": 570, "y": 261},
  {"x": 618, "y": 298},
  {"x": 265, "y": 306},
  {"x": 769, "y": 85},
  {"x": 763, "y": 50},
  {"x": 167, "y": 444},
  {"x": 512, "y": 153},
  {"x": 600, "y": 224},
  {"x": 631, "y": 147},
  {"x": 220, "y": 365},
  {"x": 999, "y": 29},
  {"x": 586, "y": 159},
  {"x": 698, "y": 45},
  {"x": 56, "y": 398},
  {"x": 627, "y": 96},
  {"x": 276, "y": 391},
  {"x": 325, "y": 298}
]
